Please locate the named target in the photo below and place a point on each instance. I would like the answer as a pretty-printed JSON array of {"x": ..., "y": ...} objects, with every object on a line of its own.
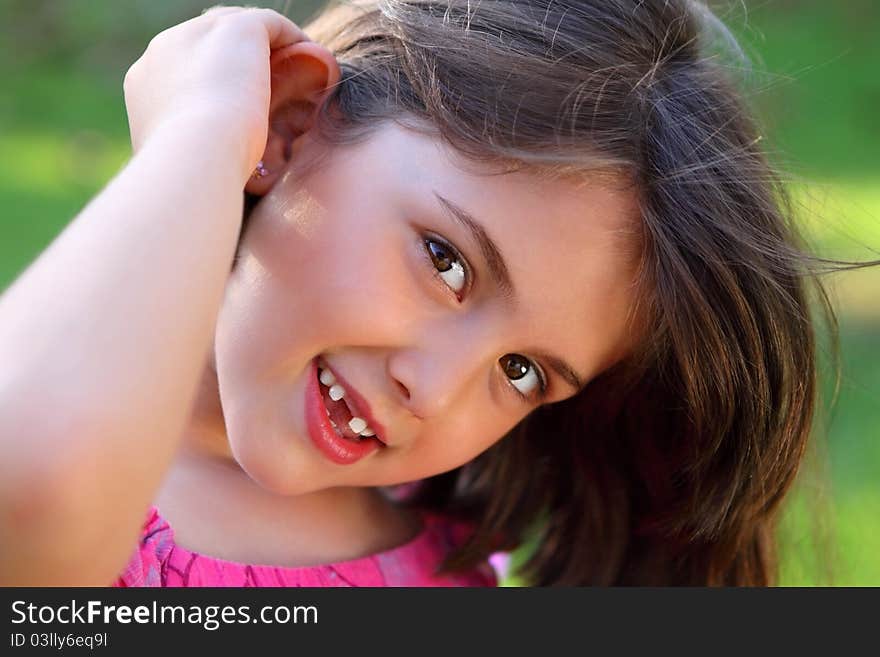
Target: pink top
[{"x": 157, "y": 561}]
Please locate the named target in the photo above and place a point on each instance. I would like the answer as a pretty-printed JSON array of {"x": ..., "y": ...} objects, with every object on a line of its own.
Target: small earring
[{"x": 260, "y": 171}]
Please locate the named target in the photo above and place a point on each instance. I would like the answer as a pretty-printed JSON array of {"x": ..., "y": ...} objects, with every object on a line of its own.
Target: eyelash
[{"x": 426, "y": 240}]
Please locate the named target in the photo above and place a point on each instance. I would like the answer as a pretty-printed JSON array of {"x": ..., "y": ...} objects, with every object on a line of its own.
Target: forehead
[{"x": 550, "y": 210}]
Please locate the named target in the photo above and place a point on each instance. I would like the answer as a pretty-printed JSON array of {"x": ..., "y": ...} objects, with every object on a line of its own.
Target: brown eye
[
  {"x": 447, "y": 263},
  {"x": 440, "y": 255},
  {"x": 523, "y": 374}
]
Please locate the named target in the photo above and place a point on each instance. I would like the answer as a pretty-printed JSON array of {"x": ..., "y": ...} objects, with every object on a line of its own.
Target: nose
[{"x": 444, "y": 368}]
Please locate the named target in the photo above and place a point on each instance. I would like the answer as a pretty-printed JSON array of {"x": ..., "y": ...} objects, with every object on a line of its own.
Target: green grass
[
  {"x": 841, "y": 218},
  {"x": 830, "y": 532},
  {"x": 65, "y": 135},
  {"x": 815, "y": 64}
]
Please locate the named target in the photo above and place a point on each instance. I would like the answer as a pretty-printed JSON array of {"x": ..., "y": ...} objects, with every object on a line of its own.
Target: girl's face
[{"x": 450, "y": 303}]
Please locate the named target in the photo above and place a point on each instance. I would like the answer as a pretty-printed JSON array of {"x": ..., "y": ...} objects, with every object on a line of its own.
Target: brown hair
[{"x": 669, "y": 467}]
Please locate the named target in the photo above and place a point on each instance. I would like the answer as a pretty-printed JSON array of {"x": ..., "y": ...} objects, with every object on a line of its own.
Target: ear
[{"x": 303, "y": 75}]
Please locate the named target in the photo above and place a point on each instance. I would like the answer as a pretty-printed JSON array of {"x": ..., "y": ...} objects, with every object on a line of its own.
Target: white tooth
[
  {"x": 357, "y": 424},
  {"x": 327, "y": 378},
  {"x": 337, "y": 392},
  {"x": 367, "y": 432}
]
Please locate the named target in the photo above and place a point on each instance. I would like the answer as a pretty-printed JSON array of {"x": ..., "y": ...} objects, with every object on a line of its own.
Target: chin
[{"x": 268, "y": 470}]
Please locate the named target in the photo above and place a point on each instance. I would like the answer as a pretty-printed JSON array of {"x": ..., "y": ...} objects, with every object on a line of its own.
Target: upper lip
[{"x": 356, "y": 402}]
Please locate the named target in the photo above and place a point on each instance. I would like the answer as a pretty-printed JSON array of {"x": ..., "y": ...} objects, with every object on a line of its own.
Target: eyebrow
[
  {"x": 562, "y": 368},
  {"x": 501, "y": 276}
]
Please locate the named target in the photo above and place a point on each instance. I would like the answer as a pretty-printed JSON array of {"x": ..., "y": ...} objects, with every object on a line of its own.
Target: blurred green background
[{"x": 813, "y": 80}]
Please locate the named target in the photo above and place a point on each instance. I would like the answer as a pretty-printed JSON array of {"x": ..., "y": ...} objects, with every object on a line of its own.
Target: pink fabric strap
[{"x": 157, "y": 561}]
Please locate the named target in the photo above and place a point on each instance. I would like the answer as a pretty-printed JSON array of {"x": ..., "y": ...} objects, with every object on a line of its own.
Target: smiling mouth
[{"x": 342, "y": 418}]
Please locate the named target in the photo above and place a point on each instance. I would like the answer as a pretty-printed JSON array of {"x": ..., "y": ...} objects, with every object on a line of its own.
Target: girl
[{"x": 524, "y": 257}]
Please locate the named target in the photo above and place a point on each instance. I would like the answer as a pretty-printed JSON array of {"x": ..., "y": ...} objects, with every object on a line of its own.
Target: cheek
[
  {"x": 464, "y": 437},
  {"x": 348, "y": 283},
  {"x": 366, "y": 284}
]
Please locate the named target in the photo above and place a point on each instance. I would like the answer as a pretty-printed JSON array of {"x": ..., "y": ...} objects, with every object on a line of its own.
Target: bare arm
[{"x": 103, "y": 338}]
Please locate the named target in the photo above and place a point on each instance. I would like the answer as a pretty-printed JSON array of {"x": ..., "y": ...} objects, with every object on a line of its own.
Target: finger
[{"x": 281, "y": 30}]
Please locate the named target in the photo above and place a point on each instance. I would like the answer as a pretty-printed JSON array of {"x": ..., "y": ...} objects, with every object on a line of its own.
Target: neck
[{"x": 206, "y": 432}]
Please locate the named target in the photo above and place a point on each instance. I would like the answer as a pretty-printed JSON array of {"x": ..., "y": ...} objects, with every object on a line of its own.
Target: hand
[{"x": 211, "y": 73}]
